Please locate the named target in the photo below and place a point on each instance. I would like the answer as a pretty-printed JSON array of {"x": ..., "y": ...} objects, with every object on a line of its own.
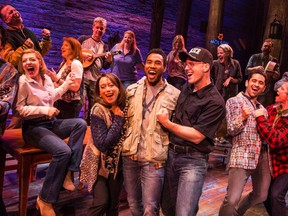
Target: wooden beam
[{"x": 156, "y": 24}]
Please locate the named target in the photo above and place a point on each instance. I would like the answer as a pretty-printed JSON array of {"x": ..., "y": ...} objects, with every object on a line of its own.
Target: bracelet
[{"x": 58, "y": 80}]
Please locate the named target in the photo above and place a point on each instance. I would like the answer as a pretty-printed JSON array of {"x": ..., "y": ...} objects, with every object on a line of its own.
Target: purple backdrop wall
[{"x": 74, "y": 18}]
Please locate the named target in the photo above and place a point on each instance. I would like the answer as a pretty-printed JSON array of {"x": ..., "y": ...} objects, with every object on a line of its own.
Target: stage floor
[{"x": 76, "y": 203}]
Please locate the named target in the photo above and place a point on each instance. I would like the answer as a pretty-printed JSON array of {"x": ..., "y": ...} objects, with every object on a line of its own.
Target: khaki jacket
[{"x": 157, "y": 139}]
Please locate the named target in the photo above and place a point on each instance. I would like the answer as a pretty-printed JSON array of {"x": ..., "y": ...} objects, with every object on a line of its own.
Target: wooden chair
[{"x": 27, "y": 157}]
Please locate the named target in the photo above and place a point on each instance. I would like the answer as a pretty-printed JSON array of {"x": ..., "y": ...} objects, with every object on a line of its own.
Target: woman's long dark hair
[{"x": 121, "y": 100}]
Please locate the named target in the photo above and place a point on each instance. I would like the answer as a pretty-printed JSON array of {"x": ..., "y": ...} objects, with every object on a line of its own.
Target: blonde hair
[
  {"x": 100, "y": 20},
  {"x": 133, "y": 45},
  {"x": 227, "y": 49},
  {"x": 42, "y": 65}
]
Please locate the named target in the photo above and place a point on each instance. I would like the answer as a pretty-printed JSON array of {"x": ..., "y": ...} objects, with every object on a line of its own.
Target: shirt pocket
[{"x": 160, "y": 146}]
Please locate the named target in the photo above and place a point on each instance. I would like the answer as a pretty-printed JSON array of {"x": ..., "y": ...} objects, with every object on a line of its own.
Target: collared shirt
[
  {"x": 124, "y": 66},
  {"x": 246, "y": 144},
  {"x": 34, "y": 99},
  {"x": 150, "y": 96},
  {"x": 203, "y": 110},
  {"x": 275, "y": 133}
]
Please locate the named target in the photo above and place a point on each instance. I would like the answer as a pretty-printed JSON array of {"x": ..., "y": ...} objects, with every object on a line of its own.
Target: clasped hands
[{"x": 247, "y": 111}]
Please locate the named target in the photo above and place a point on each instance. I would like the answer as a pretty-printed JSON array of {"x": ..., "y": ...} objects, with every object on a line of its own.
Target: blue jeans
[
  {"x": 49, "y": 135},
  {"x": 237, "y": 179},
  {"x": 184, "y": 179},
  {"x": 143, "y": 183}
]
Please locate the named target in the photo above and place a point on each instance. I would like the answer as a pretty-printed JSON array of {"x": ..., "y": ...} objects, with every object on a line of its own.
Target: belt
[
  {"x": 42, "y": 118},
  {"x": 181, "y": 149},
  {"x": 155, "y": 164}
]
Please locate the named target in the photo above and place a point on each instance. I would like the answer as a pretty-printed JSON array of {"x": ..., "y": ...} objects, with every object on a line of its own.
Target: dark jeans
[
  {"x": 68, "y": 110},
  {"x": 106, "y": 193},
  {"x": 275, "y": 204},
  {"x": 49, "y": 135},
  {"x": 184, "y": 179}
]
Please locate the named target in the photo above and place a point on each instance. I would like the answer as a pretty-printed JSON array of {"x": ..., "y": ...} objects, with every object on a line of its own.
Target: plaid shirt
[
  {"x": 246, "y": 144},
  {"x": 275, "y": 133}
]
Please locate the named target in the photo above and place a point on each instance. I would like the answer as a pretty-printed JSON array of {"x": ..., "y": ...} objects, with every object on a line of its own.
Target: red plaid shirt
[{"x": 275, "y": 133}]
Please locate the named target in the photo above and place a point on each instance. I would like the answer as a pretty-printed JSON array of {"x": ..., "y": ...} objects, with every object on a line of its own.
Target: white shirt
[{"x": 34, "y": 100}]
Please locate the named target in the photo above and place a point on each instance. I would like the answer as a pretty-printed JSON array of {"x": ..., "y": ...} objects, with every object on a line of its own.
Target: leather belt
[
  {"x": 181, "y": 149},
  {"x": 156, "y": 165},
  {"x": 42, "y": 118}
]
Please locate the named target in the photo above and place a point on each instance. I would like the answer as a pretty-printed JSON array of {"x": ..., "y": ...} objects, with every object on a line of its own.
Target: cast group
[{"x": 151, "y": 136}]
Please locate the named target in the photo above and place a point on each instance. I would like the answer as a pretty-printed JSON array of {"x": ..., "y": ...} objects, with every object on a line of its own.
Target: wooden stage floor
[{"x": 76, "y": 203}]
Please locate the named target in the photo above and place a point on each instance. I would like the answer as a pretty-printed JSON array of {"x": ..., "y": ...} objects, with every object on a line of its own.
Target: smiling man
[
  {"x": 19, "y": 37},
  {"x": 200, "y": 109},
  {"x": 249, "y": 156},
  {"x": 145, "y": 146},
  {"x": 274, "y": 130}
]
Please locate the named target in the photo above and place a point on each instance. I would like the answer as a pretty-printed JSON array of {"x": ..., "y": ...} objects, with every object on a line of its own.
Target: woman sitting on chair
[{"x": 35, "y": 100}]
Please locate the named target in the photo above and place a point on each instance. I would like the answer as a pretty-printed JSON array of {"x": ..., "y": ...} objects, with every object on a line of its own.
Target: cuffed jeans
[
  {"x": 237, "y": 179},
  {"x": 184, "y": 179},
  {"x": 143, "y": 183},
  {"x": 49, "y": 135}
]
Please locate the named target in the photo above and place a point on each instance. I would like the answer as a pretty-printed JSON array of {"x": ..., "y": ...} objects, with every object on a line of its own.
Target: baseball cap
[{"x": 197, "y": 54}]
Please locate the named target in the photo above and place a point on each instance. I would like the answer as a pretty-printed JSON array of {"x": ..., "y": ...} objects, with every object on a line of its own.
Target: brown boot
[
  {"x": 45, "y": 208},
  {"x": 68, "y": 184}
]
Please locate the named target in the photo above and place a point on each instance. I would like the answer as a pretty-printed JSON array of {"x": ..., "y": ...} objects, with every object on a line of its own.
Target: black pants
[{"x": 106, "y": 193}]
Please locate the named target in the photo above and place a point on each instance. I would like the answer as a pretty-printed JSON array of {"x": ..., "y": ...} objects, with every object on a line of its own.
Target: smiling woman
[
  {"x": 35, "y": 100},
  {"x": 126, "y": 63},
  {"x": 101, "y": 167},
  {"x": 70, "y": 104}
]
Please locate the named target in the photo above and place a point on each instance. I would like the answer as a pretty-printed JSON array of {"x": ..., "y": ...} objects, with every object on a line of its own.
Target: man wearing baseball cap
[{"x": 199, "y": 111}]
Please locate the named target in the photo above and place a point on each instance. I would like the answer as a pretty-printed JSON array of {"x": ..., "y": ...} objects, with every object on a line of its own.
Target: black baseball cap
[{"x": 197, "y": 54}]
